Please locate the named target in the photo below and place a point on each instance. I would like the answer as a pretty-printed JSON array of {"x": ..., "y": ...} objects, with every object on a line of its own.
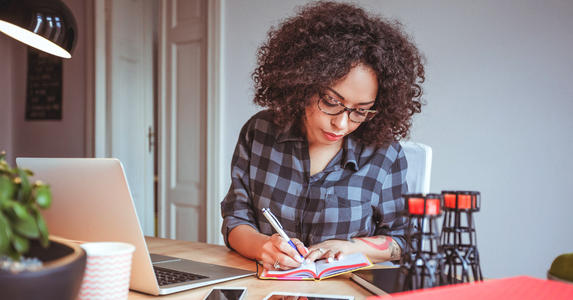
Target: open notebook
[{"x": 321, "y": 269}]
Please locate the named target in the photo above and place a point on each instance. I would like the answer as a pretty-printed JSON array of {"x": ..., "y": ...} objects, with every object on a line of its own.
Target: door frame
[
  {"x": 214, "y": 125},
  {"x": 96, "y": 141},
  {"x": 96, "y": 85}
]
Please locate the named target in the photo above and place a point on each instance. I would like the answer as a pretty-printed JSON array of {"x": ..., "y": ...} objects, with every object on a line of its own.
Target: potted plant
[{"x": 33, "y": 265}]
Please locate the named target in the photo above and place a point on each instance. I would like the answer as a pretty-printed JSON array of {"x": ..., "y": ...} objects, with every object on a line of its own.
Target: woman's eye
[{"x": 330, "y": 101}]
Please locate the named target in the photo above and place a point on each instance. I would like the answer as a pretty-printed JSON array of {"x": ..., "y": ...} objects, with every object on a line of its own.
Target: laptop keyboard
[{"x": 167, "y": 276}]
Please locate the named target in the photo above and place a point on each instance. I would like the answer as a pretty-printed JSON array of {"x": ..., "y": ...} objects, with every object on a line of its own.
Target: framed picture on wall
[{"x": 43, "y": 86}]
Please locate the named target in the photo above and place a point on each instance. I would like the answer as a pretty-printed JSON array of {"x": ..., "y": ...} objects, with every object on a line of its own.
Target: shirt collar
[
  {"x": 290, "y": 134},
  {"x": 349, "y": 146}
]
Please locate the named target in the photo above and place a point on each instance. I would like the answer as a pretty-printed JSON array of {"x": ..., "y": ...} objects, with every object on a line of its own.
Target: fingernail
[
  {"x": 340, "y": 257},
  {"x": 329, "y": 259},
  {"x": 306, "y": 261},
  {"x": 299, "y": 259}
]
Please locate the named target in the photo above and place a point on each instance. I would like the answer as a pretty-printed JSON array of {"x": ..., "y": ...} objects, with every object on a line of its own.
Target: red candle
[
  {"x": 416, "y": 206},
  {"x": 464, "y": 201},
  {"x": 450, "y": 200}
]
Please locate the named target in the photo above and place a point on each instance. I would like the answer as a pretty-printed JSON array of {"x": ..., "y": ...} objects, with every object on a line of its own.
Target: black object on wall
[{"x": 43, "y": 86}]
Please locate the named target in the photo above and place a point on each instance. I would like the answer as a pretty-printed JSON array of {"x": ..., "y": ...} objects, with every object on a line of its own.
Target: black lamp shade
[{"x": 47, "y": 25}]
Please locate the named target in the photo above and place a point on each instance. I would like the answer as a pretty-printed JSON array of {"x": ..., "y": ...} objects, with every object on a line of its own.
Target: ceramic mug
[{"x": 108, "y": 270}]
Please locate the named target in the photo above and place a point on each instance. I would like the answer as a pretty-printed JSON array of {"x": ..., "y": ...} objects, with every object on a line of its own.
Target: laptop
[{"x": 92, "y": 202}]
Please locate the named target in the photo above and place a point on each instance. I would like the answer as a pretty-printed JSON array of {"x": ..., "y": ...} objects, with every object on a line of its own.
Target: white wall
[{"x": 499, "y": 98}]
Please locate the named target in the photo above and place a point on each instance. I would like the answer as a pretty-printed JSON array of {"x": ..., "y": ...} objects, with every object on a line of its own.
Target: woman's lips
[{"x": 331, "y": 136}]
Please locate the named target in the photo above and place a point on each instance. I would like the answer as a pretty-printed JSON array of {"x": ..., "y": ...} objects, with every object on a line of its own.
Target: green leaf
[
  {"x": 27, "y": 227},
  {"x": 20, "y": 244},
  {"x": 6, "y": 188},
  {"x": 5, "y": 234},
  {"x": 43, "y": 196},
  {"x": 19, "y": 210},
  {"x": 8, "y": 208},
  {"x": 4, "y": 167},
  {"x": 44, "y": 236},
  {"x": 25, "y": 187}
]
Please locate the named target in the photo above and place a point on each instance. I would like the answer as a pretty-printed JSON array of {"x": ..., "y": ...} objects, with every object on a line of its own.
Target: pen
[{"x": 278, "y": 227}]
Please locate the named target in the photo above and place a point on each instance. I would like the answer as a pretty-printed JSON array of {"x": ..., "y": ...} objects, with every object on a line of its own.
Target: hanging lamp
[{"x": 47, "y": 25}]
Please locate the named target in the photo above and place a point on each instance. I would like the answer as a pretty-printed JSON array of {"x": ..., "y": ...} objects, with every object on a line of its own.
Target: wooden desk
[{"x": 256, "y": 288}]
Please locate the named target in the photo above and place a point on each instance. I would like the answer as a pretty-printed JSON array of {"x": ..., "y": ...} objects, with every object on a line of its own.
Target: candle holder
[
  {"x": 423, "y": 260},
  {"x": 458, "y": 238}
]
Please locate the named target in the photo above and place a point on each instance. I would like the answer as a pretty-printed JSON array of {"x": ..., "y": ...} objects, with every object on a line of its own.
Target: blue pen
[{"x": 278, "y": 227}]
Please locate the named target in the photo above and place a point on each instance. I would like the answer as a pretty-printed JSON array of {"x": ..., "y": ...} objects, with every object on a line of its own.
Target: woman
[{"x": 340, "y": 88}]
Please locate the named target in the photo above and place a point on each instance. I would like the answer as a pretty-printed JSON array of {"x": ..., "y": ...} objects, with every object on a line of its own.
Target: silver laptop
[{"x": 92, "y": 202}]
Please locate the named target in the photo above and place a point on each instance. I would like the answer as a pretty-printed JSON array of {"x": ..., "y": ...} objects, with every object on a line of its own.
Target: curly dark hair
[{"x": 319, "y": 46}]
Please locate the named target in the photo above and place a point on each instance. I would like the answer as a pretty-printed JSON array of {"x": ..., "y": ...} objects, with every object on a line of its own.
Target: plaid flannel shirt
[{"x": 359, "y": 192}]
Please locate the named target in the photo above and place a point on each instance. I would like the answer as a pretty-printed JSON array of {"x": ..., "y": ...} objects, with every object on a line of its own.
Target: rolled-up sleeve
[
  {"x": 236, "y": 208},
  {"x": 391, "y": 206}
]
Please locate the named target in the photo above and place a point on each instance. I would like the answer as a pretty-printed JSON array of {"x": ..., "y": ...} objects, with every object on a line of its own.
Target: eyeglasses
[{"x": 331, "y": 106}]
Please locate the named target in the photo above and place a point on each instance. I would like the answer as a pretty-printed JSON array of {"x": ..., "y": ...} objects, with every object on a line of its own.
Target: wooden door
[
  {"x": 124, "y": 96},
  {"x": 182, "y": 119}
]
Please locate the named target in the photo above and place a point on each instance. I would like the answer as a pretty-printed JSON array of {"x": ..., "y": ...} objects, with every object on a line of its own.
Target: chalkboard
[{"x": 44, "y": 86}]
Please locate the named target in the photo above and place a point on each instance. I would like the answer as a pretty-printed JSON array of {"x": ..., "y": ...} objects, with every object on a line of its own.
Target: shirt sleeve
[
  {"x": 236, "y": 208},
  {"x": 393, "y": 221}
]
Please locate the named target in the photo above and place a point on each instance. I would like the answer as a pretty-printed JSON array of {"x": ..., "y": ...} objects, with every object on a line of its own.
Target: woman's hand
[
  {"x": 378, "y": 249},
  {"x": 277, "y": 254},
  {"x": 329, "y": 250}
]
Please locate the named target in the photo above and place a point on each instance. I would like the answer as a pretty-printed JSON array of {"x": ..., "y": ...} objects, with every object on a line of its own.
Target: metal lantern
[
  {"x": 423, "y": 260},
  {"x": 458, "y": 238}
]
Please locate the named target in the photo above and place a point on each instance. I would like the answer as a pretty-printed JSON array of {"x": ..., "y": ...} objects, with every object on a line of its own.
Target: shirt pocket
[{"x": 347, "y": 213}]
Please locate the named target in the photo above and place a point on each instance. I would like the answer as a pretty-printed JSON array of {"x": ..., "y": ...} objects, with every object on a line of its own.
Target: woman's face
[{"x": 358, "y": 89}]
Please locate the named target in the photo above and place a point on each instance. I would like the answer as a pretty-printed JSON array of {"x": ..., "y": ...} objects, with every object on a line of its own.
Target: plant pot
[{"x": 59, "y": 278}]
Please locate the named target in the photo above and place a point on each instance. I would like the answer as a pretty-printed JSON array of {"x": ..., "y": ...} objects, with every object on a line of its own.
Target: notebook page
[
  {"x": 347, "y": 263},
  {"x": 305, "y": 270}
]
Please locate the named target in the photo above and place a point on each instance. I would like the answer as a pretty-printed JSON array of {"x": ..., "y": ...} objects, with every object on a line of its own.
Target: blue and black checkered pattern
[{"x": 359, "y": 193}]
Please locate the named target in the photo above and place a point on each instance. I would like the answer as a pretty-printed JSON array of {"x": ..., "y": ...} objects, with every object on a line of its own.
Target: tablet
[
  {"x": 305, "y": 296},
  {"x": 379, "y": 281},
  {"x": 226, "y": 293}
]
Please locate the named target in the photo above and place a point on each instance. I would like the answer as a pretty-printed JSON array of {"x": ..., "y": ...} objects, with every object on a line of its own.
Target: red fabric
[{"x": 522, "y": 288}]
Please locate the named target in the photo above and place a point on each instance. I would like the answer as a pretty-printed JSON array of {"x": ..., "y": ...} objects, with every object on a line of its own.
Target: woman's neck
[{"x": 321, "y": 155}]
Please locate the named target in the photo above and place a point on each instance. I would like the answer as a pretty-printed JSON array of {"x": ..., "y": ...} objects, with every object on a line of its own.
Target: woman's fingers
[
  {"x": 285, "y": 254},
  {"x": 282, "y": 256},
  {"x": 329, "y": 255},
  {"x": 280, "y": 262},
  {"x": 272, "y": 267},
  {"x": 314, "y": 254},
  {"x": 287, "y": 249},
  {"x": 300, "y": 247},
  {"x": 338, "y": 255}
]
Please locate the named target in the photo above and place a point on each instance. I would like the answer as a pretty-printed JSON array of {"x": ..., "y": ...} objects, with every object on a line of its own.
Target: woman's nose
[{"x": 340, "y": 121}]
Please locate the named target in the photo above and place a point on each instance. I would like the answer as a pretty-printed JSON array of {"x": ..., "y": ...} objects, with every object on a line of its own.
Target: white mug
[{"x": 108, "y": 270}]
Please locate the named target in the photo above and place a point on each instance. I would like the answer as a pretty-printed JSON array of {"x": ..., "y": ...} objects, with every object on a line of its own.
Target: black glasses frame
[{"x": 322, "y": 97}]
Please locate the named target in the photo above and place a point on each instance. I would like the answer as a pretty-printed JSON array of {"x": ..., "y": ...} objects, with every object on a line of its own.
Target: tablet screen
[
  {"x": 226, "y": 294},
  {"x": 378, "y": 281}
]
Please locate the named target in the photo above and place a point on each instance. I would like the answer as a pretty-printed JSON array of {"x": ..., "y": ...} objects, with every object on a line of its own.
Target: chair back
[{"x": 419, "y": 158}]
